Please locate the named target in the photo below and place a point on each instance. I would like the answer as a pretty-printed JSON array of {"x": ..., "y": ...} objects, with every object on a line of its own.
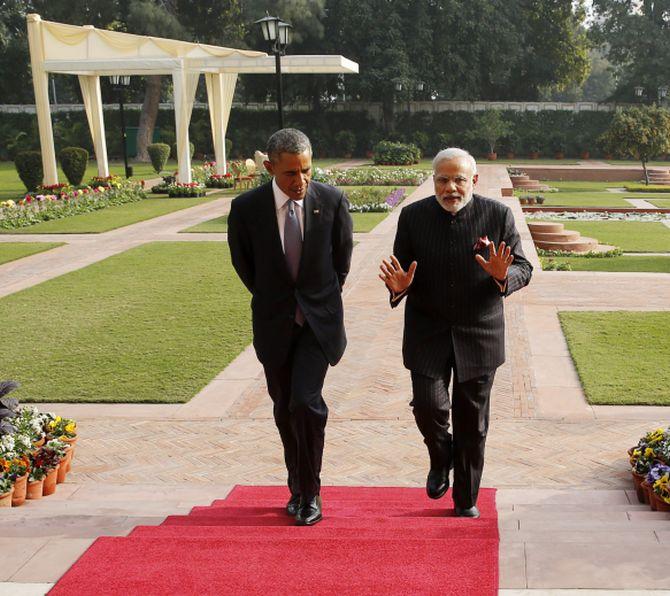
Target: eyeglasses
[{"x": 458, "y": 180}]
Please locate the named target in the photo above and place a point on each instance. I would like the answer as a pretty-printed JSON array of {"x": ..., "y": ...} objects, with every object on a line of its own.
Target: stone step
[
  {"x": 565, "y": 236},
  {"x": 545, "y": 227},
  {"x": 583, "y": 244}
]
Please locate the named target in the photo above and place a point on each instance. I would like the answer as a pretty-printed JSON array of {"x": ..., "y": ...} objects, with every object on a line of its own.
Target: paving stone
[
  {"x": 16, "y": 552},
  {"x": 52, "y": 560}
]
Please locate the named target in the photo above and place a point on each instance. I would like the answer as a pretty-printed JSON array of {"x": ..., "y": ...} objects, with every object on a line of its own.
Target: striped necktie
[{"x": 293, "y": 249}]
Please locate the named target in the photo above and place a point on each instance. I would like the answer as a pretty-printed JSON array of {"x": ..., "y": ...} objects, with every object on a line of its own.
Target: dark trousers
[
  {"x": 299, "y": 410},
  {"x": 464, "y": 449}
]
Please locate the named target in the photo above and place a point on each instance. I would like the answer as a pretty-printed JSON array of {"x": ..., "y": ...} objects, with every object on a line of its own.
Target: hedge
[
  {"x": 159, "y": 154},
  {"x": 73, "y": 160},
  {"x": 29, "y": 167}
]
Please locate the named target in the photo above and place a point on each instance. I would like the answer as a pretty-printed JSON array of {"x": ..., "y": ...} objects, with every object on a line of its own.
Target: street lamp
[
  {"x": 279, "y": 35},
  {"x": 662, "y": 93},
  {"x": 120, "y": 83}
]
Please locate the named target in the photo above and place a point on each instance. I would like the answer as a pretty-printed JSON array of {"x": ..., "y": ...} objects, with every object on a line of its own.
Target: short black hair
[{"x": 287, "y": 140}]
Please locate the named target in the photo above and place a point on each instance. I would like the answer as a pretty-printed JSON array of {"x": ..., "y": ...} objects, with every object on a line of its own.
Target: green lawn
[
  {"x": 11, "y": 186},
  {"x": 112, "y": 217},
  {"x": 585, "y": 199},
  {"x": 648, "y": 264},
  {"x": 11, "y": 251},
  {"x": 621, "y": 357},
  {"x": 363, "y": 222},
  {"x": 630, "y": 236},
  {"x": 662, "y": 203},
  {"x": 583, "y": 185},
  {"x": 154, "y": 324}
]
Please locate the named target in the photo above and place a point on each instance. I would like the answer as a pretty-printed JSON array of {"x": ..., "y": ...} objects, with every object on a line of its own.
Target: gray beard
[{"x": 453, "y": 209}]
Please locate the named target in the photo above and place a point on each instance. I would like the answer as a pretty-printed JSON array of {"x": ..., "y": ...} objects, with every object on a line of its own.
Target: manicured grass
[
  {"x": 630, "y": 236},
  {"x": 583, "y": 185},
  {"x": 112, "y": 217},
  {"x": 621, "y": 357},
  {"x": 154, "y": 324},
  {"x": 11, "y": 186},
  {"x": 648, "y": 264},
  {"x": 592, "y": 199},
  {"x": 662, "y": 203},
  {"x": 634, "y": 164},
  {"x": 218, "y": 225},
  {"x": 363, "y": 222},
  {"x": 11, "y": 251}
]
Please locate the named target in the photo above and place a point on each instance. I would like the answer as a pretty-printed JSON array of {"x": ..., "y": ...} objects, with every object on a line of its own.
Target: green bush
[
  {"x": 389, "y": 153},
  {"x": 647, "y": 187},
  {"x": 73, "y": 160},
  {"x": 29, "y": 166},
  {"x": 158, "y": 153},
  {"x": 345, "y": 142},
  {"x": 191, "y": 147}
]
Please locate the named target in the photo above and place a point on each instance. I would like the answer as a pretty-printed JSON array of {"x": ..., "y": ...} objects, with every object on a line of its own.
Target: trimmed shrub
[
  {"x": 158, "y": 153},
  {"x": 29, "y": 166},
  {"x": 396, "y": 154},
  {"x": 345, "y": 142},
  {"x": 191, "y": 147},
  {"x": 73, "y": 160}
]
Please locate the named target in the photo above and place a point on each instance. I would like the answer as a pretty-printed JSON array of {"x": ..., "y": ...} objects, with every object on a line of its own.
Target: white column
[
  {"x": 185, "y": 84},
  {"x": 41, "y": 87},
  {"x": 90, "y": 90},
  {"x": 220, "y": 92}
]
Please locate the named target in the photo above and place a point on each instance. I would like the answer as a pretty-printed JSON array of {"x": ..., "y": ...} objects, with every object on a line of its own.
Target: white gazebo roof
[{"x": 91, "y": 53}]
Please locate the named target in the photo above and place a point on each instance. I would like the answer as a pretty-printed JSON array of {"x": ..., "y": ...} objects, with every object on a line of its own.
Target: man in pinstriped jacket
[{"x": 456, "y": 255}]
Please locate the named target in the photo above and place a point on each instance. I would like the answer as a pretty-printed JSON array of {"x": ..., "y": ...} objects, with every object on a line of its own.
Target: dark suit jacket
[
  {"x": 258, "y": 258},
  {"x": 453, "y": 305}
]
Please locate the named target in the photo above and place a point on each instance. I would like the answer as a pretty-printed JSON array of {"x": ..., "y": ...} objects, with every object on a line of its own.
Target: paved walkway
[{"x": 568, "y": 516}]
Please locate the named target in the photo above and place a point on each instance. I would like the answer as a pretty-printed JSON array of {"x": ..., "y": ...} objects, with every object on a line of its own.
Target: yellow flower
[
  {"x": 649, "y": 452},
  {"x": 70, "y": 427}
]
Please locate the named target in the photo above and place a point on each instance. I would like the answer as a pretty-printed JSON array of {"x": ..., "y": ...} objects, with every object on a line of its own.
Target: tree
[
  {"x": 641, "y": 133},
  {"x": 635, "y": 35},
  {"x": 491, "y": 126}
]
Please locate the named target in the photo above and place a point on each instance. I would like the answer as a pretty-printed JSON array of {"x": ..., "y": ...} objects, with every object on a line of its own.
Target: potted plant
[
  {"x": 64, "y": 429},
  {"x": 558, "y": 145},
  {"x": 490, "y": 126},
  {"x": 6, "y": 490},
  {"x": 661, "y": 492},
  {"x": 35, "y": 483},
  {"x": 62, "y": 452}
]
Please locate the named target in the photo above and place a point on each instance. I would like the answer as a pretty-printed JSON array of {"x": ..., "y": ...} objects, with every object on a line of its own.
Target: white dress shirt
[{"x": 281, "y": 207}]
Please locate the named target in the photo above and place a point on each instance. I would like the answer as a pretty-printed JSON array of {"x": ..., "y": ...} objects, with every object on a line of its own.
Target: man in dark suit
[
  {"x": 456, "y": 255},
  {"x": 291, "y": 242}
]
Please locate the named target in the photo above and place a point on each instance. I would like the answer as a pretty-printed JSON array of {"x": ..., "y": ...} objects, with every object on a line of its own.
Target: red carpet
[{"x": 371, "y": 541}]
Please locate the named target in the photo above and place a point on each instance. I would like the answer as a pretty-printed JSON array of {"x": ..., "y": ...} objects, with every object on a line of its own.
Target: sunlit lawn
[
  {"x": 629, "y": 263},
  {"x": 662, "y": 203},
  {"x": 154, "y": 324},
  {"x": 111, "y": 218},
  {"x": 630, "y": 236},
  {"x": 11, "y": 251},
  {"x": 621, "y": 357}
]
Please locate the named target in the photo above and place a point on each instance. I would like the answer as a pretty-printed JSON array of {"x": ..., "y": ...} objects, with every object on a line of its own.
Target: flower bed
[
  {"x": 186, "y": 189},
  {"x": 650, "y": 467},
  {"x": 59, "y": 201},
  {"x": 36, "y": 450},
  {"x": 374, "y": 200},
  {"x": 597, "y": 215},
  {"x": 371, "y": 177}
]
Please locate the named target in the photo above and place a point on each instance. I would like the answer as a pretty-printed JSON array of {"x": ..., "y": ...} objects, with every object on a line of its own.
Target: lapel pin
[{"x": 315, "y": 212}]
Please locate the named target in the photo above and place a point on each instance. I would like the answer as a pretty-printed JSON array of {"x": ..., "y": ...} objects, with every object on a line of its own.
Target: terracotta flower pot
[
  {"x": 68, "y": 458},
  {"x": 661, "y": 505},
  {"x": 492, "y": 156},
  {"x": 20, "y": 487},
  {"x": 62, "y": 471},
  {"x": 648, "y": 497},
  {"x": 49, "y": 487},
  {"x": 40, "y": 443},
  {"x": 6, "y": 499},
  {"x": 35, "y": 489},
  {"x": 637, "y": 481}
]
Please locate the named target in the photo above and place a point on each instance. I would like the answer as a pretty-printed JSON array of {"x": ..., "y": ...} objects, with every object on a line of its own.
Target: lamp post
[
  {"x": 279, "y": 35},
  {"x": 120, "y": 83},
  {"x": 662, "y": 94}
]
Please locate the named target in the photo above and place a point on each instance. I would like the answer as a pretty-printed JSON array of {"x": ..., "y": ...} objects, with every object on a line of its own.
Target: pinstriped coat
[{"x": 453, "y": 305}]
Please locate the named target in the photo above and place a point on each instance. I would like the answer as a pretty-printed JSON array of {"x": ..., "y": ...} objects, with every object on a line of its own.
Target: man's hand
[
  {"x": 393, "y": 275},
  {"x": 499, "y": 261}
]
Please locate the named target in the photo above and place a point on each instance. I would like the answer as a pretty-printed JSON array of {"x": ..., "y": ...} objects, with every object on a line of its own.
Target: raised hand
[
  {"x": 499, "y": 261},
  {"x": 393, "y": 275}
]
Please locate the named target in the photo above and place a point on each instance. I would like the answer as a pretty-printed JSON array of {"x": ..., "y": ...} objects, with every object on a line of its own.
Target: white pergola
[{"x": 91, "y": 53}]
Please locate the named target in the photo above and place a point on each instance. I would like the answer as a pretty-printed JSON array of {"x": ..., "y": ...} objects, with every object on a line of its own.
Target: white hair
[{"x": 452, "y": 153}]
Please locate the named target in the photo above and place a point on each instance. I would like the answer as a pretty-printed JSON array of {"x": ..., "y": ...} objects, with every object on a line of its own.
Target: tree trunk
[
  {"x": 145, "y": 134},
  {"x": 388, "y": 115},
  {"x": 646, "y": 174}
]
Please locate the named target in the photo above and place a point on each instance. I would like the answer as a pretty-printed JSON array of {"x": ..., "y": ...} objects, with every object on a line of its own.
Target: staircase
[
  {"x": 524, "y": 182},
  {"x": 553, "y": 236},
  {"x": 659, "y": 176}
]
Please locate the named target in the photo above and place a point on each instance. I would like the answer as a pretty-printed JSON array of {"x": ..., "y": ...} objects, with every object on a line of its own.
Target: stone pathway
[{"x": 568, "y": 516}]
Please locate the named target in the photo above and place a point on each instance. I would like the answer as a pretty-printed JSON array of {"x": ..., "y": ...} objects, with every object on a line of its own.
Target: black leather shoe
[
  {"x": 468, "y": 512},
  {"x": 437, "y": 483},
  {"x": 309, "y": 512},
  {"x": 293, "y": 505}
]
